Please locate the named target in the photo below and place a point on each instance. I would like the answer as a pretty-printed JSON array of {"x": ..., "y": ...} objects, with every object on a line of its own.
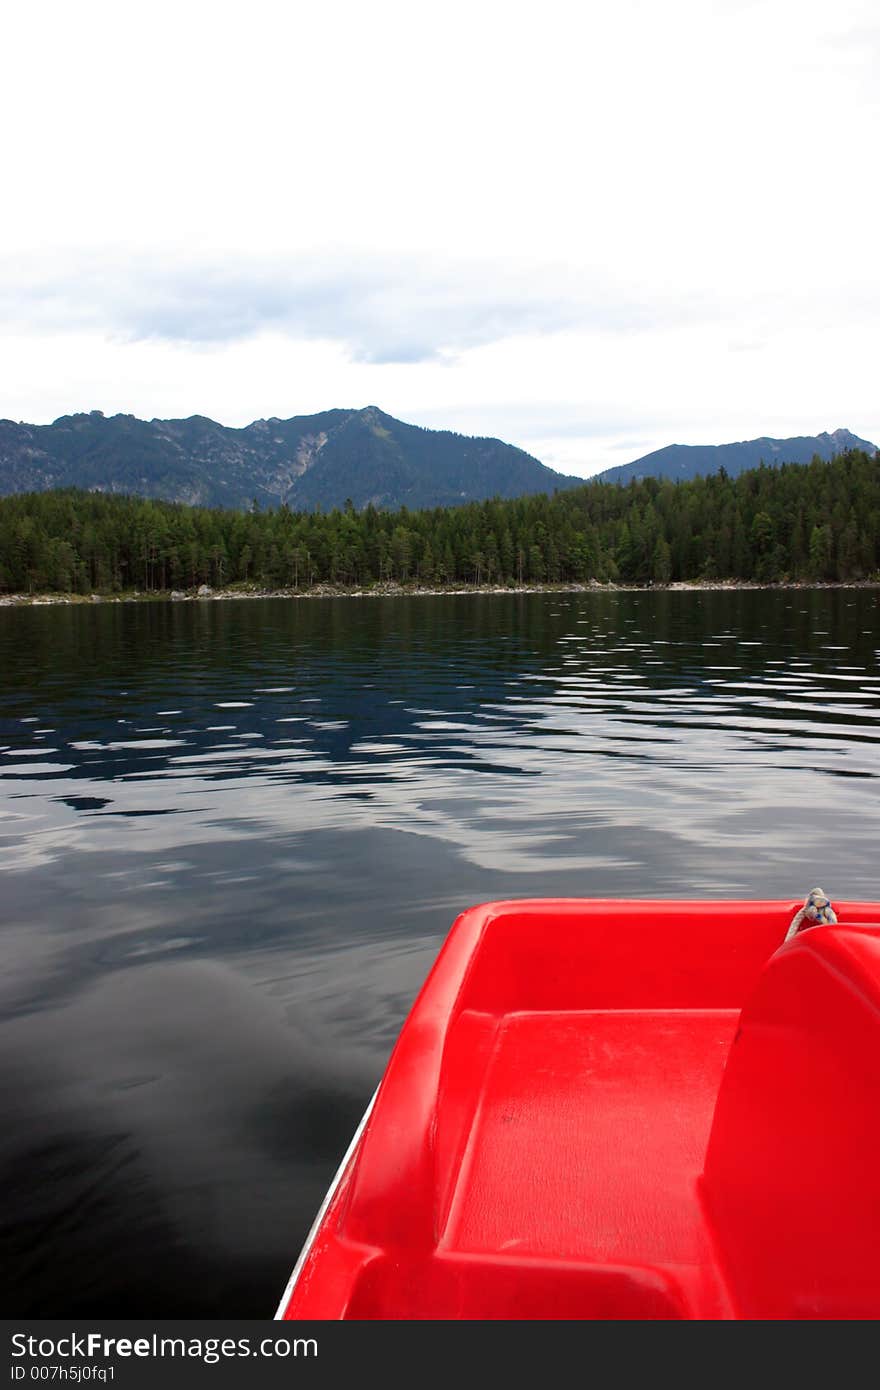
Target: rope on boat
[{"x": 816, "y": 911}]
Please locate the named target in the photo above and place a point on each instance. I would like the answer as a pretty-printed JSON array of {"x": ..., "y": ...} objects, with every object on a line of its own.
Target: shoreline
[{"x": 206, "y": 593}]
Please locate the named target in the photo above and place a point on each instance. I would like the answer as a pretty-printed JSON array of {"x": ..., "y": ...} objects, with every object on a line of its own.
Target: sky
[{"x": 589, "y": 229}]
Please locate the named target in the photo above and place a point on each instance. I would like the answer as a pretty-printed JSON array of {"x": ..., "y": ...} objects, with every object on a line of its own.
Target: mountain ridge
[
  {"x": 307, "y": 461},
  {"x": 324, "y": 460},
  {"x": 682, "y": 462}
]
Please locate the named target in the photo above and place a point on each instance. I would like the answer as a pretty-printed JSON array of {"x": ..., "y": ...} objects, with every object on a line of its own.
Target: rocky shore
[{"x": 205, "y": 593}]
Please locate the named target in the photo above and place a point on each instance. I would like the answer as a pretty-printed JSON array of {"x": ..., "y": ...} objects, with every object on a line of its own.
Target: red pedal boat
[{"x": 633, "y": 1110}]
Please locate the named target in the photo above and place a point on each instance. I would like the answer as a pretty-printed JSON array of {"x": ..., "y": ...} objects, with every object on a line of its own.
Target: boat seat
[{"x": 790, "y": 1184}]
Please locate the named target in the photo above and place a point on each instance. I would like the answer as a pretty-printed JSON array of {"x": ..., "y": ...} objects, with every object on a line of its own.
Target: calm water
[{"x": 234, "y": 834}]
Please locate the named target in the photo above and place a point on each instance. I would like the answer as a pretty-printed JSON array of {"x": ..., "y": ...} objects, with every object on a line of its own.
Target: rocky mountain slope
[{"x": 309, "y": 461}]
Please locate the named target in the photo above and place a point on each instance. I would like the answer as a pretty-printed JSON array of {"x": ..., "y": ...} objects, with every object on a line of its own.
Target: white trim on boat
[{"x": 310, "y": 1238}]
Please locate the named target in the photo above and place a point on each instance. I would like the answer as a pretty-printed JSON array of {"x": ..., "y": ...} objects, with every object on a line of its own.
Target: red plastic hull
[{"x": 619, "y": 1110}]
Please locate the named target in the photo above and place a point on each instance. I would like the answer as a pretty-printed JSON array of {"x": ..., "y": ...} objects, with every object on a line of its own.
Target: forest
[{"x": 816, "y": 522}]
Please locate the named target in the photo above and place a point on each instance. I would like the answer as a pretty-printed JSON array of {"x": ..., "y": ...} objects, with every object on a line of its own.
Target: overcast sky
[{"x": 590, "y": 229}]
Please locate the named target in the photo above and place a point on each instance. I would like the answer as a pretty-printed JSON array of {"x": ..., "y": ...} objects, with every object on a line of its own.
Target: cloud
[
  {"x": 527, "y": 420},
  {"x": 383, "y": 309}
]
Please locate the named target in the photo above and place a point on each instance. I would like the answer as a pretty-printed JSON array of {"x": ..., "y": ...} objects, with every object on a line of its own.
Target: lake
[{"x": 234, "y": 835}]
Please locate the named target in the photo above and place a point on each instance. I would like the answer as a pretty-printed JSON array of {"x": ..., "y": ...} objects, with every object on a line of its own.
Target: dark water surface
[{"x": 234, "y": 835}]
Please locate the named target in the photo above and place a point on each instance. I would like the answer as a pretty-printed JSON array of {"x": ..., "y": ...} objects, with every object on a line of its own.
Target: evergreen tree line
[{"x": 813, "y": 522}]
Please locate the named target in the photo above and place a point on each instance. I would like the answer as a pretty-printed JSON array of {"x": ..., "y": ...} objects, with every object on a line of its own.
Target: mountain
[
  {"x": 309, "y": 462},
  {"x": 680, "y": 462}
]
